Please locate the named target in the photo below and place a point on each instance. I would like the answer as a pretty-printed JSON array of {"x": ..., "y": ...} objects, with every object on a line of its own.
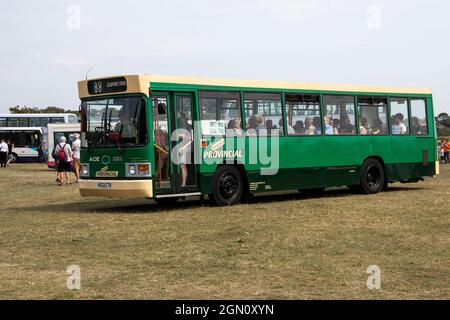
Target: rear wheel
[
  {"x": 372, "y": 177},
  {"x": 228, "y": 186}
]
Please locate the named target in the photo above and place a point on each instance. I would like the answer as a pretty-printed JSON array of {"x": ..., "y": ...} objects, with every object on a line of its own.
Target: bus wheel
[
  {"x": 372, "y": 177},
  {"x": 228, "y": 186},
  {"x": 166, "y": 201}
]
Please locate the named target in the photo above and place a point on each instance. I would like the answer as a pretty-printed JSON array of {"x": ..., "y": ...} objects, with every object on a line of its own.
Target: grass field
[{"x": 277, "y": 247}]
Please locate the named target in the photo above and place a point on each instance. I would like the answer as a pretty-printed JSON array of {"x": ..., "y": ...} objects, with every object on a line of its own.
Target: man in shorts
[
  {"x": 64, "y": 154},
  {"x": 76, "y": 146}
]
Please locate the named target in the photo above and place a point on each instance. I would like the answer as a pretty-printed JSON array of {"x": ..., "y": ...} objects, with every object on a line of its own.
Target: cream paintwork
[
  {"x": 119, "y": 188},
  {"x": 141, "y": 84}
]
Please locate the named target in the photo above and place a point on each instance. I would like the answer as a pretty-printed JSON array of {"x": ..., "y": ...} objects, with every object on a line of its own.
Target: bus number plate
[{"x": 104, "y": 185}]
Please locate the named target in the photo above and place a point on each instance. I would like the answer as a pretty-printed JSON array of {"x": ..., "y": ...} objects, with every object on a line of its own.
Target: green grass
[{"x": 277, "y": 247}]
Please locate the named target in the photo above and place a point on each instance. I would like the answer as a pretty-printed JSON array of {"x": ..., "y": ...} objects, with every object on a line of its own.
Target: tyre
[
  {"x": 372, "y": 177},
  {"x": 228, "y": 186}
]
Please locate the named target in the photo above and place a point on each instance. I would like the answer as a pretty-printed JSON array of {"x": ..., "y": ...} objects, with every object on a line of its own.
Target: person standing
[
  {"x": 10, "y": 152},
  {"x": 3, "y": 153},
  {"x": 63, "y": 153},
  {"x": 76, "y": 146},
  {"x": 446, "y": 151}
]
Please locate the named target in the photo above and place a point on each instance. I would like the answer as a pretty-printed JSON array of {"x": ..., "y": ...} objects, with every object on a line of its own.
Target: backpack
[{"x": 62, "y": 153}]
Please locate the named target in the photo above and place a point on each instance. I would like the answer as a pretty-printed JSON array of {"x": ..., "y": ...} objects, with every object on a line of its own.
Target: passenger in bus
[
  {"x": 291, "y": 130},
  {"x": 346, "y": 126},
  {"x": 299, "y": 128},
  {"x": 336, "y": 125},
  {"x": 318, "y": 125},
  {"x": 416, "y": 128},
  {"x": 234, "y": 128},
  {"x": 255, "y": 125},
  {"x": 364, "y": 127},
  {"x": 329, "y": 127},
  {"x": 162, "y": 154},
  {"x": 377, "y": 128},
  {"x": 185, "y": 153},
  {"x": 310, "y": 129},
  {"x": 126, "y": 129},
  {"x": 398, "y": 127}
]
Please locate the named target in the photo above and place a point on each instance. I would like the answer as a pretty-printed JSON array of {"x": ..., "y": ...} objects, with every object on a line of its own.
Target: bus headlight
[
  {"x": 131, "y": 170},
  {"x": 84, "y": 170},
  {"x": 138, "y": 169}
]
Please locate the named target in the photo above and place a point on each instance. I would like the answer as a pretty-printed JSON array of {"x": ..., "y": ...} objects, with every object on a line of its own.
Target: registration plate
[{"x": 104, "y": 185}]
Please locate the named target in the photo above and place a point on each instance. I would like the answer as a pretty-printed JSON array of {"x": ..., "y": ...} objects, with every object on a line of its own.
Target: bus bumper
[{"x": 116, "y": 188}]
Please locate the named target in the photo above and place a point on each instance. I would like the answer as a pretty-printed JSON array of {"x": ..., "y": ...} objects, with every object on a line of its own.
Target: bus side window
[
  {"x": 419, "y": 121},
  {"x": 263, "y": 114},
  {"x": 373, "y": 116},
  {"x": 220, "y": 113},
  {"x": 399, "y": 116}
]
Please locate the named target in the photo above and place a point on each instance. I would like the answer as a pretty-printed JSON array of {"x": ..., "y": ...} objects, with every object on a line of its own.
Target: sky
[{"x": 47, "y": 46}]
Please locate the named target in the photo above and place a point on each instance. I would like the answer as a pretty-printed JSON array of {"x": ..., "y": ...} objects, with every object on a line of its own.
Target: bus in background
[
  {"x": 25, "y": 121},
  {"x": 26, "y": 142},
  {"x": 165, "y": 138},
  {"x": 55, "y": 132}
]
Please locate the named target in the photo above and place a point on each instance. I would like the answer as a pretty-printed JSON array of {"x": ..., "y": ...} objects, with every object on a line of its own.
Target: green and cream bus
[{"x": 163, "y": 138}]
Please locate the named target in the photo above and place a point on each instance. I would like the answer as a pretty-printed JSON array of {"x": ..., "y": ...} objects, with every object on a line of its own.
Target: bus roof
[
  {"x": 21, "y": 129},
  {"x": 142, "y": 83},
  {"x": 34, "y": 115}
]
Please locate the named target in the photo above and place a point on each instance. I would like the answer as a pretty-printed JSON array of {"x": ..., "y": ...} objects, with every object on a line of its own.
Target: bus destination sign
[{"x": 110, "y": 85}]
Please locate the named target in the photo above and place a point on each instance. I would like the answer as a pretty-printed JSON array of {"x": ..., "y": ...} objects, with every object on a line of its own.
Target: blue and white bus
[{"x": 28, "y": 131}]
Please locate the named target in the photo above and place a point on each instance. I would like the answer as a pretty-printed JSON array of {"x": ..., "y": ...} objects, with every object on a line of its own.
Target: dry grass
[{"x": 280, "y": 247}]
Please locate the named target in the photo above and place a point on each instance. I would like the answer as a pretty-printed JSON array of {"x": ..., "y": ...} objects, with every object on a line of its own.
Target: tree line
[{"x": 50, "y": 109}]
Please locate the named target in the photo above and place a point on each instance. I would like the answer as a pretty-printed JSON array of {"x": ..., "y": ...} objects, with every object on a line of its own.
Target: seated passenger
[
  {"x": 364, "y": 127},
  {"x": 310, "y": 130},
  {"x": 318, "y": 125},
  {"x": 329, "y": 128},
  {"x": 377, "y": 128},
  {"x": 299, "y": 128},
  {"x": 416, "y": 127},
  {"x": 256, "y": 125},
  {"x": 346, "y": 126},
  {"x": 336, "y": 125},
  {"x": 398, "y": 127},
  {"x": 234, "y": 128},
  {"x": 290, "y": 130}
]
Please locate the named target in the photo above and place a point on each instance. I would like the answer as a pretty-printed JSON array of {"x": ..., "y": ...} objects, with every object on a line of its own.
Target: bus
[
  {"x": 26, "y": 142},
  {"x": 165, "y": 138},
  {"x": 23, "y": 123},
  {"x": 55, "y": 132}
]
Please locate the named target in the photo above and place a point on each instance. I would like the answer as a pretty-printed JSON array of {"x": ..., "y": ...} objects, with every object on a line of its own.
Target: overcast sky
[{"x": 46, "y": 46}]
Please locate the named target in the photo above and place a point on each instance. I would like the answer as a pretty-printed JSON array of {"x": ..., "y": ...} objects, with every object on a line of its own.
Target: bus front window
[{"x": 112, "y": 122}]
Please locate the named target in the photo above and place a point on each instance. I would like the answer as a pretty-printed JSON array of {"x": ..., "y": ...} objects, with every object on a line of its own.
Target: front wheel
[
  {"x": 228, "y": 186},
  {"x": 372, "y": 177}
]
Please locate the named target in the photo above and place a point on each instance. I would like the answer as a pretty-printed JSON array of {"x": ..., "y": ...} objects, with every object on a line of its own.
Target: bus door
[{"x": 173, "y": 135}]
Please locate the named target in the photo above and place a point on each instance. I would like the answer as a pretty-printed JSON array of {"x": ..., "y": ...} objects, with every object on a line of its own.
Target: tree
[{"x": 49, "y": 109}]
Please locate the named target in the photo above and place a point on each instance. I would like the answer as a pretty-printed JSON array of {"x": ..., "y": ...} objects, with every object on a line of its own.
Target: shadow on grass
[{"x": 129, "y": 206}]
